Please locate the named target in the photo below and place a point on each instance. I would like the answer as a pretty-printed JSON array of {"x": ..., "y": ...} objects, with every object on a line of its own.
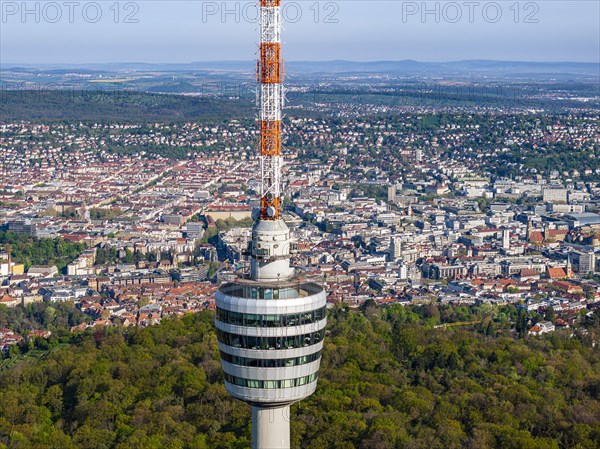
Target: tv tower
[{"x": 270, "y": 324}]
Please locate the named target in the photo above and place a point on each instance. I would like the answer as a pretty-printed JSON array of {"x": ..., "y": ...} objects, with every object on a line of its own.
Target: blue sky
[{"x": 185, "y": 31}]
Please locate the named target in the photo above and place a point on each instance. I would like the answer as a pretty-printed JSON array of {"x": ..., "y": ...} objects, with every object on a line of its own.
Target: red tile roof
[
  {"x": 536, "y": 236},
  {"x": 527, "y": 272},
  {"x": 556, "y": 273}
]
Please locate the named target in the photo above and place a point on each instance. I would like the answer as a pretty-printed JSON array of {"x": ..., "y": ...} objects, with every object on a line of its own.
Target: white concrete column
[{"x": 271, "y": 427}]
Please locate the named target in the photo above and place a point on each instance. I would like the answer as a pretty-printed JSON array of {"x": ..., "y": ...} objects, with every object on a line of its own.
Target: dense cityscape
[{"x": 408, "y": 209}]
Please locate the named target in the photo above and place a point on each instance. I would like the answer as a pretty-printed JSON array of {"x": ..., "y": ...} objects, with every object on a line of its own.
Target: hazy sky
[{"x": 79, "y": 31}]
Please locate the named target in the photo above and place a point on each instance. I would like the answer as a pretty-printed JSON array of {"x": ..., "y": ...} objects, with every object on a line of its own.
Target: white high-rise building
[
  {"x": 419, "y": 155},
  {"x": 505, "y": 239},
  {"x": 395, "y": 248},
  {"x": 402, "y": 271}
]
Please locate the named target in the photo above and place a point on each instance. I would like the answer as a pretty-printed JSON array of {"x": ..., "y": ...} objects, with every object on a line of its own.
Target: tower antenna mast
[{"x": 269, "y": 76}]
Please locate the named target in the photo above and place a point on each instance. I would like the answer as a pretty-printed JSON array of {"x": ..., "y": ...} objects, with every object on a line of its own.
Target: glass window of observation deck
[
  {"x": 286, "y": 342},
  {"x": 254, "y": 320}
]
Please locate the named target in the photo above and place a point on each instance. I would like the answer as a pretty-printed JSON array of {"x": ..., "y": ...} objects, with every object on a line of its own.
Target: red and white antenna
[{"x": 269, "y": 75}]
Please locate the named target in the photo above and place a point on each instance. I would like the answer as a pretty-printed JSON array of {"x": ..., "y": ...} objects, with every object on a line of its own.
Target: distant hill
[
  {"x": 405, "y": 67},
  {"x": 119, "y": 106},
  {"x": 409, "y": 67}
]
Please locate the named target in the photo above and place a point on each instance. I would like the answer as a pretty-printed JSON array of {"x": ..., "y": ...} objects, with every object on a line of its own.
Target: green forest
[
  {"x": 30, "y": 250},
  {"x": 55, "y": 317},
  {"x": 124, "y": 106},
  {"x": 388, "y": 380}
]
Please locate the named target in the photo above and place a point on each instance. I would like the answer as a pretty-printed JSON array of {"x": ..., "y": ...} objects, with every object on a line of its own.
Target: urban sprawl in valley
[{"x": 452, "y": 207}]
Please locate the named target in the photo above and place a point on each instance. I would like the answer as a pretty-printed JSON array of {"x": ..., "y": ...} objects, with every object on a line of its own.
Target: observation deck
[{"x": 270, "y": 338}]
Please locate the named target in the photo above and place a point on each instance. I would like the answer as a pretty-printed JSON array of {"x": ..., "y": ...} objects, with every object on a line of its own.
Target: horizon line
[{"x": 221, "y": 61}]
